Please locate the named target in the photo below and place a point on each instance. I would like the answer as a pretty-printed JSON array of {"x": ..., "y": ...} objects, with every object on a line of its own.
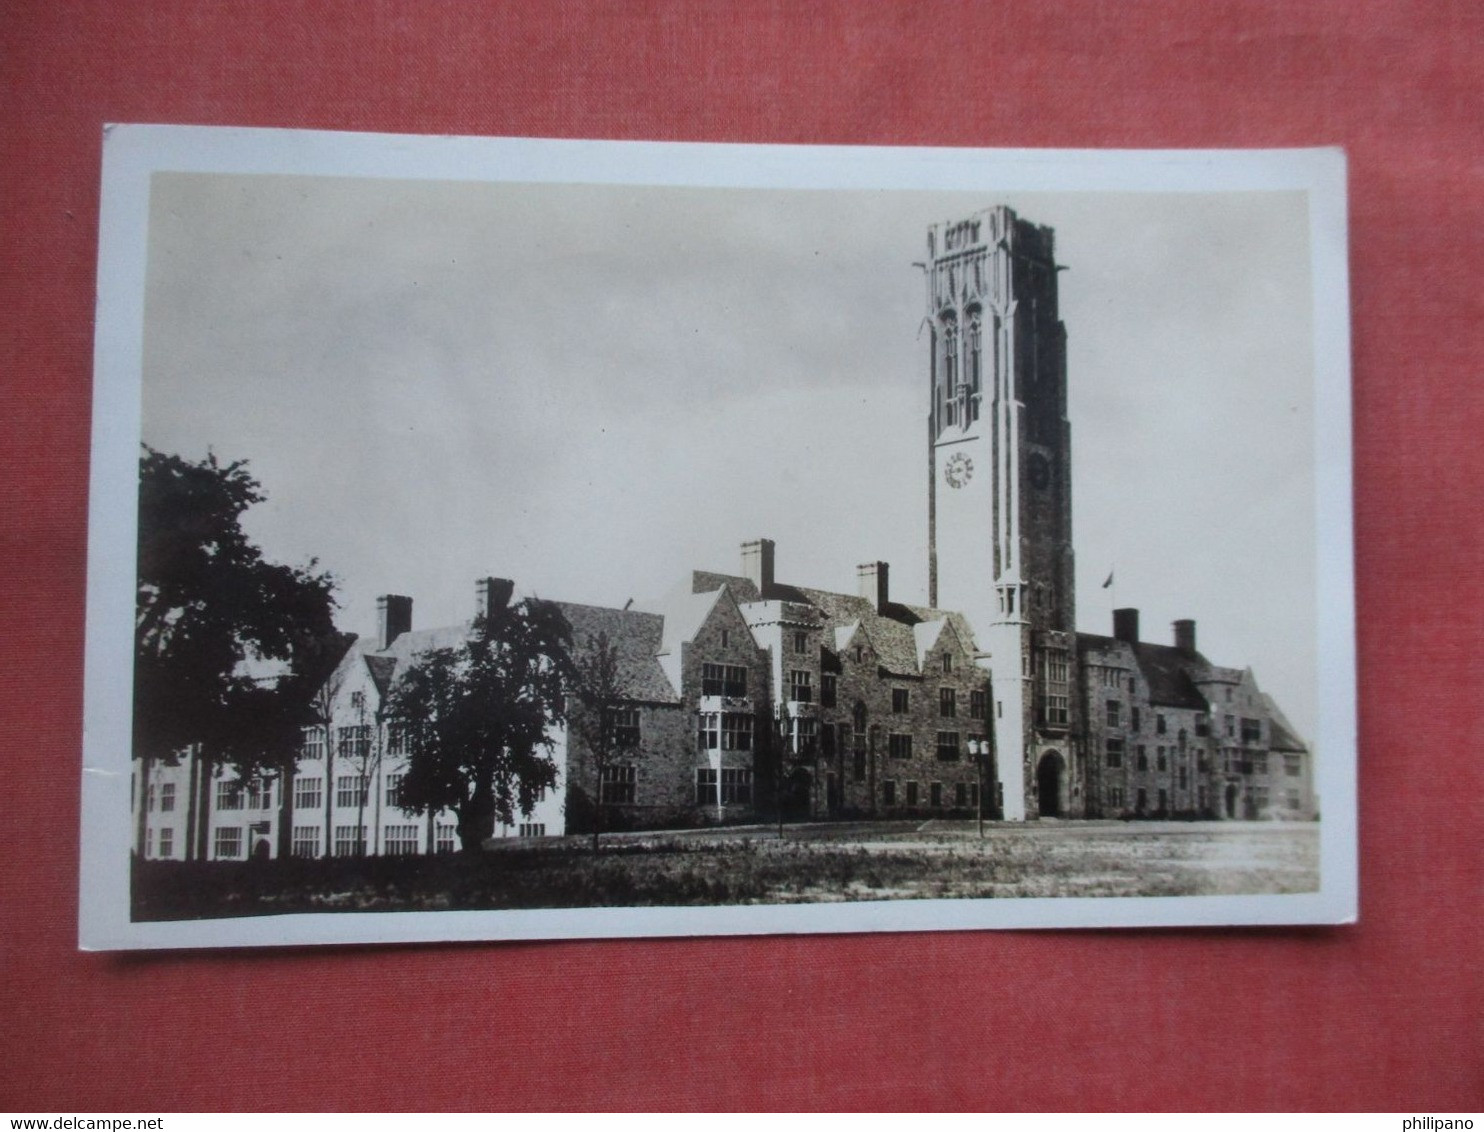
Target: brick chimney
[
  {"x": 1126, "y": 625},
  {"x": 874, "y": 585},
  {"x": 1185, "y": 635},
  {"x": 393, "y": 618},
  {"x": 491, "y": 594},
  {"x": 757, "y": 564}
]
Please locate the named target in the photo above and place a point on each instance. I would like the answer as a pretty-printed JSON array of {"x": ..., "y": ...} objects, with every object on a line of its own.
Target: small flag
[{"x": 1109, "y": 582}]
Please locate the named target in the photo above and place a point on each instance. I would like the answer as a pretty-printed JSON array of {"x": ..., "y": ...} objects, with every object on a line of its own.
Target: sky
[{"x": 594, "y": 389}]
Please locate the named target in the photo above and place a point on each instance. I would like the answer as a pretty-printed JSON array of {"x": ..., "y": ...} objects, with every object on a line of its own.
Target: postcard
[{"x": 519, "y": 538}]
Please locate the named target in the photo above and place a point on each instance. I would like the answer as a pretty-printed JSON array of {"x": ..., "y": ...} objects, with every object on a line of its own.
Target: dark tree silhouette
[
  {"x": 479, "y": 718},
  {"x": 225, "y": 641},
  {"x": 601, "y": 695}
]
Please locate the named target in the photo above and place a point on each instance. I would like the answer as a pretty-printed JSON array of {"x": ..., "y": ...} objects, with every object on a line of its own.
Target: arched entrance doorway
[{"x": 1049, "y": 784}]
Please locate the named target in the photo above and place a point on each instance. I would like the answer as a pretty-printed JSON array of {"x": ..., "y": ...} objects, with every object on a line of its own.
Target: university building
[{"x": 740, "y": 692}]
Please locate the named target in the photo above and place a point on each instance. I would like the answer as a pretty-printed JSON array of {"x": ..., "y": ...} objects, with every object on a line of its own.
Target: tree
[
  {"x": 224, "y": 640},
  {"x": 478, "y": 718},
  {"x": 601, "y": 697},
  {"x": 791, "y": 756}
]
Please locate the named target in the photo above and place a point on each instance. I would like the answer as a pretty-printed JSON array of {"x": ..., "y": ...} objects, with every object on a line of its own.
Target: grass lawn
[{"x": 811, "y": 863}]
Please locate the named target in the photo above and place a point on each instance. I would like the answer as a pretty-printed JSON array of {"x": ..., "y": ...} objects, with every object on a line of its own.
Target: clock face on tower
[
  {"x": 1038, "y": 470},
  {"x": 958, "y": 470}
]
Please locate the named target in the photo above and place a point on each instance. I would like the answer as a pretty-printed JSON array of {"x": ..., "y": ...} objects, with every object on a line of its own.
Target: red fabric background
[{"x": 1388, "y": 1014}]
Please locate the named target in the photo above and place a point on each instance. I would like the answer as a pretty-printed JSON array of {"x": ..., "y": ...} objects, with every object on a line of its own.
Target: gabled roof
[
  {"x": 637, "y": 636},
  {"x": 1282, "y": 735},
  {"x": 634, "y": 633},
  {"x": 1171, "y": 673},
  {"x": 892, "y": 633},
  {"x": 681, "y": 616}
]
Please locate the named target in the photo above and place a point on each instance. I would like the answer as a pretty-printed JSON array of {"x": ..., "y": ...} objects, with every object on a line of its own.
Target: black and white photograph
[{"x": 521, "y": 539}]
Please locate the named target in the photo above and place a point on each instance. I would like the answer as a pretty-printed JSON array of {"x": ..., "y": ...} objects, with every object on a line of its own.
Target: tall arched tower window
[
  {"x": 948, "y": 369},
  {"x": 974, "y": 357}
]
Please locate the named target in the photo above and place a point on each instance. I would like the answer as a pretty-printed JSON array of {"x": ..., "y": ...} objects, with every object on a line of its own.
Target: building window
[
  {"x": 350, "y": 841},
  {"x": 888, "y": 793},
  {"x": 312, "y": 744},
  {"x": 978, "y": 704},
  {"x": 1114, "y": 713},
  {"x": 1231, "y": 723},
  {"x": 899, "y": 746},
  {"x": 260, "y": 795},
  {"x": 394, "y": 789},
  {"x": 1141, "y": 802},
  {"x": 723, "y": 680},
  {"x": 1113, "y": 752},
  {"x": 736, "y": 786},
  {"x": 911, "y": 793},
  {"x": 623, "y": 724},
  {"x": 1260, "y": 797},
  {"x": 732, "y": 730},
  {"x": 947, "y": 662},
  {"x": 827, "y": 689},
  {"x": 948, "y": 750},
  {"x": 975, "y": 357},
  {"x": 354, "y": 742},
  {"x": 167, "y": 842},
  {"x": 1202, "y": 725},
  {"x": 350, "y": 790},
  {"x": 358, "y": 701},
  {"x": 306, "y": 793},
  {"x": 533, "y": 829},
  {"x": 1115, "y": 797},
  {"x": 1294, "y": 803},
  {"x": 1164, "y": 802},
  {"x": 1159, "y": 724},
  {"x": 801, "y": 643},
  {"x": 1133, "y": 722},
  {"x": 228, "y": 843},
  {"x": 935, "y": 795},
  {"x": 860, "y": 654},
  {"x": 1053, "y": 670},
  {"x": 1055, "y": 711},
  {"x": 446, "y": 840},
  {"x": 1251, "y": 731},
  {"x": 1143, "y": 758},
  {"x": 1160, "y": 764},
  {"x": 948, "y": 702},
  {"x": 399, "y": 840},
  {"x": 1183, "y": 780},
  {"x": 804, "y": 734},
  {"x": 901, "y": 701},
  {"x": 306, "y": 841},
  {"x": 397, "y": 739},
  {"x": 1293, "y": 765},
  {"x": 736, "y": 732},
  {"x": 150, "y": 794},
  {"x": 167, "y": 797},
  {"x": 800, "y": 686},
  {"x": 960, "y": 794},
  {"x": 229, "y": 796},
  {"x": 726, "y": 638},
  {"x": 618, "y": 785}
]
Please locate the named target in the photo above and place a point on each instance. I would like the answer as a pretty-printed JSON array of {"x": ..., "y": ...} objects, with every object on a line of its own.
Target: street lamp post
[{"x": 977, "y": 750}]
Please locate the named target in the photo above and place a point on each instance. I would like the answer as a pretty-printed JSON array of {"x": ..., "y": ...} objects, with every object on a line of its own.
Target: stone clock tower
[{"x": 1000, "y": 494}]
